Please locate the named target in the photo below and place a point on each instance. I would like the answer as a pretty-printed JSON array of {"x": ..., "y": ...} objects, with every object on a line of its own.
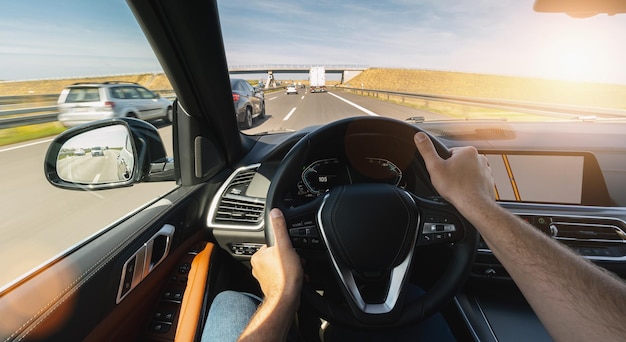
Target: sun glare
[
  {"x": 574, "y": 64},
  {"x": 578, "y": 55}
]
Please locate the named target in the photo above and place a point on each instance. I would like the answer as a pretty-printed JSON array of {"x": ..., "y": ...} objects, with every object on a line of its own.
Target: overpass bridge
[{"x": 347, "y": 71}]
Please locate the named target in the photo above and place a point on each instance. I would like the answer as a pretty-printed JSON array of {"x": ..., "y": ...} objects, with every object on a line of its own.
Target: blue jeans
[
  {"x": 229, "y": 315},
  {"x": 231, "y": 310}
]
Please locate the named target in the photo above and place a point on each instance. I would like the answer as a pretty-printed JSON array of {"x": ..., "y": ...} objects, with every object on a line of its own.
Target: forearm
[{"x": 575, "y": 299}]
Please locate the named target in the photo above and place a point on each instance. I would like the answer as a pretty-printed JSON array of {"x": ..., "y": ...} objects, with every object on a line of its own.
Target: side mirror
[{"x": 107, "y": 154}]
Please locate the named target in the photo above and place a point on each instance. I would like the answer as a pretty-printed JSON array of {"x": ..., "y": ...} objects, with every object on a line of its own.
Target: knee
[{"x": 236, "y": 298}]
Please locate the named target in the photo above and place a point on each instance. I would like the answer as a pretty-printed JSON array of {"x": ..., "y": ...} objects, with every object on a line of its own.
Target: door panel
[{"x": 68, "y": 299}]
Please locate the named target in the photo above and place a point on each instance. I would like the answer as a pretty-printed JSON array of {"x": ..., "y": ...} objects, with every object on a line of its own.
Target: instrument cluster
[{"x": 321, "y": 175}]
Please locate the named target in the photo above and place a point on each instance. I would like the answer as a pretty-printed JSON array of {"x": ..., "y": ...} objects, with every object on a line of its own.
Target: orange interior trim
[{"x": 194, "y": 294}]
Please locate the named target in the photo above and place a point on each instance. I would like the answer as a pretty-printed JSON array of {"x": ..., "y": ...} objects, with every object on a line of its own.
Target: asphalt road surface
[
  {"x": 291, "y": 112},
  {"x": 40, "y": 221}
]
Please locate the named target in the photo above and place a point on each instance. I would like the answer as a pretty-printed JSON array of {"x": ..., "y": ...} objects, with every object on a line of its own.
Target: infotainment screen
[{"x": 548, "y": 177}]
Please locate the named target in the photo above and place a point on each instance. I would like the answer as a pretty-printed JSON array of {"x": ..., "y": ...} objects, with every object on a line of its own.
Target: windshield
[
  {"x": 298, "y": 64},
  {"x": 415, "y": 59}
]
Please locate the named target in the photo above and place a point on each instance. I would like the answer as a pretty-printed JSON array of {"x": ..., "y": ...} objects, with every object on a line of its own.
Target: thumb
[
  {"x": 279, "y": 227},
  {"x": 426, "y": 148}
]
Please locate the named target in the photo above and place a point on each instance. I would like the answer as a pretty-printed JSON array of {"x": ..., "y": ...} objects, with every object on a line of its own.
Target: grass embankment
[
  {"x": 54, "y": 86},
  {"x": 25, "y": 133},
  {"x": 487, "y": 86}
]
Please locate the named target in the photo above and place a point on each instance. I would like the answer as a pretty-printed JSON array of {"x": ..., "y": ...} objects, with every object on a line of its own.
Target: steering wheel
[{"x": 370, "y": 231}]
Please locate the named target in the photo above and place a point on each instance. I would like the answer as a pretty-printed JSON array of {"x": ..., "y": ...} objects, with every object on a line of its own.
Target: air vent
[
  {"x": 596, "y": 238},
  {"x": 587, "y": 232},
  {"x": 232, "y": 208},
  {"x": 239, "y": 210}
]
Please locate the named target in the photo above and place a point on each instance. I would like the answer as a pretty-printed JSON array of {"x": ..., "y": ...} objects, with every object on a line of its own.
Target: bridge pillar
[
  {"x": 271, "y": 82},
  {"x": 347, "y": 75}
]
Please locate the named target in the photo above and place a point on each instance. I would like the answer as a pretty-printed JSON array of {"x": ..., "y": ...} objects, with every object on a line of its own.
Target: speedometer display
[{"x": 322, "y": 175}]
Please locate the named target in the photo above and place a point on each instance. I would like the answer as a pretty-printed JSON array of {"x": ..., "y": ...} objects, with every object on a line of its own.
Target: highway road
[
  {"x": 290, "y": 112},
  {"x": 40, "y": 221}
]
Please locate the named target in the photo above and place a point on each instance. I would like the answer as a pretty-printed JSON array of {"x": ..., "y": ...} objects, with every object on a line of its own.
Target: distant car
[
  {"x": 79, "y": 152},
  {"x": 86, "y": 102},
  {"x": 291, "y": 89},
  {"x": 97, "y": 151},
  {"x": 249, "y": 102}
]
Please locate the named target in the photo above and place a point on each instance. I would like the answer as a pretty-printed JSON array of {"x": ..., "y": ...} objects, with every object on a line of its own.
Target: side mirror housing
[{"x": 108, "y": 154}]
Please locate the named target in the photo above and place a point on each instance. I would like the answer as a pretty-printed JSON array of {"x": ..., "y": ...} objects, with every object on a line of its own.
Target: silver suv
[{"x": 86, "y": 102}]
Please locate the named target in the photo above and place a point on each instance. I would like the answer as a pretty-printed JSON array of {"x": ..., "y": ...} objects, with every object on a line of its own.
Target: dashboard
[
  {"x": 570, "y": 183},
  {"x": 537, "y": 176}
]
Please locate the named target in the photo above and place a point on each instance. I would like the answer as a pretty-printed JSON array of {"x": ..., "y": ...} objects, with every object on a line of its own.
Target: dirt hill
[
  {"x": 491, "y": 86},
  {"x": 54, "y": 86}
]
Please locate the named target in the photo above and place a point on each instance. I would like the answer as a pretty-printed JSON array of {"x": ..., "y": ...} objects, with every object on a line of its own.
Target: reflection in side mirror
[
  {"x": 108, "y": 154},
  {"x": 103, "y": 155}
]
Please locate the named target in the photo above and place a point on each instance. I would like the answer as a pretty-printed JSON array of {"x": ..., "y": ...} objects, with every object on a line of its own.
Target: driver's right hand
[{"x": 463, "y": 179}]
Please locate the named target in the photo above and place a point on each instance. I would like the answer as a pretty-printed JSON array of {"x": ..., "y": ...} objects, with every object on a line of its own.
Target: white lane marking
[
  {"x": 25, "y": 145},
  {"x": 290, "y": 113},
  {"x": 364, "y": 110},
  {"x": 96, "y": 179},
  {"x": 273, "y": 98},
  {"x": 302, "y": 98}
]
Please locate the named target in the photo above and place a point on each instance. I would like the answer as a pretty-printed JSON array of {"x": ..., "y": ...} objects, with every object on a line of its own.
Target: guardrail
[
  {"x": 555, "y": 110},
  {"x": 21, "y": 118}
]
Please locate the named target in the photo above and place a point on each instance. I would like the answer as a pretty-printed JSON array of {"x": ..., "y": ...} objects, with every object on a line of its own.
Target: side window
[
  {"x": 39, "y": 221},
  {"x": 131, "y": 93},
  {"x": 117, "y": 93},
  {"x": 249, "y": 88},
  {"x": 145, "y": 93}
]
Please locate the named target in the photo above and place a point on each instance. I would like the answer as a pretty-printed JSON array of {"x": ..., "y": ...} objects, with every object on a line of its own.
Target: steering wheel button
[{"x": 433, "y": 228}]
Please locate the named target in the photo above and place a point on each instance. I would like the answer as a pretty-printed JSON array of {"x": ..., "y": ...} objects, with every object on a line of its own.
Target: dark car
[
  {"x": 137, "y": 248},
  {"x": 249, "y": 102}
]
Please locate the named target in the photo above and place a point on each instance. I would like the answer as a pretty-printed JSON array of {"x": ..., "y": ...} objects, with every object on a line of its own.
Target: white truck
[{"x": 317, "y": 80}]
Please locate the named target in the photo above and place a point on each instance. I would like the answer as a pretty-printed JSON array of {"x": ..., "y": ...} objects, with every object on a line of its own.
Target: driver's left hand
[{"x": 278, "y": 268}]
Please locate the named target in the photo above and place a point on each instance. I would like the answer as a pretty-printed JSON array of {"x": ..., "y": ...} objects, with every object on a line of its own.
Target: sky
[{"x": 69, "y": 38}]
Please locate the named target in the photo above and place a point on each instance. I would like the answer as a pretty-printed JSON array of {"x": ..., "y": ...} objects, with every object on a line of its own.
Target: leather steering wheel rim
[{"x": 463, "y": 250}]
